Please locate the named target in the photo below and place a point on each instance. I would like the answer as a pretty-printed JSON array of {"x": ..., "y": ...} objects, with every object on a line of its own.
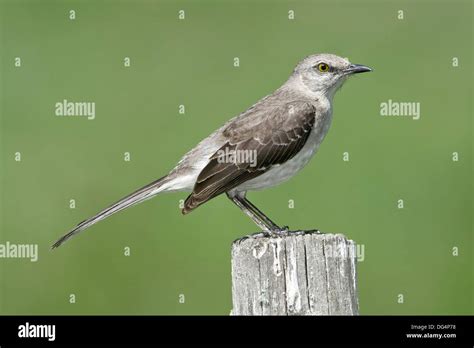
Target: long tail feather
[{"x": 136, "y": 197}]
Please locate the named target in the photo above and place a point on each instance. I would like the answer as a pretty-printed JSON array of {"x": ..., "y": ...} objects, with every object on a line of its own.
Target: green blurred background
[{"x": 408, "y": 251}]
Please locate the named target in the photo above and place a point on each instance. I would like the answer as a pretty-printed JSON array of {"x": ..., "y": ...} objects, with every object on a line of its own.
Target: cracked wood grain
[{"x": 303, "y": 273}]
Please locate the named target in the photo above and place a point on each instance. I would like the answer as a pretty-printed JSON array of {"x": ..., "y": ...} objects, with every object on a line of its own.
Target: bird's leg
[
  {"x": 255, "y": 218},
  {"x": 262, "y": 221},
  {"x": 257, "y": 211}
]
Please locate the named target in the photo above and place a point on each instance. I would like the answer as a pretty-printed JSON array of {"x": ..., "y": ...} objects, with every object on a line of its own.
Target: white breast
[{"x": 280, "y": 173}]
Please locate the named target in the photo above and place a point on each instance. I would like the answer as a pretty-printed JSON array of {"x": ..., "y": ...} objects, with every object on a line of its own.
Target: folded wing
[{"x": 279, "y": 136}]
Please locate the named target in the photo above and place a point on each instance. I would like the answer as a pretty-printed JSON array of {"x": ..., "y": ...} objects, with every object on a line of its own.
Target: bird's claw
[{"x": 276, "y": 233}]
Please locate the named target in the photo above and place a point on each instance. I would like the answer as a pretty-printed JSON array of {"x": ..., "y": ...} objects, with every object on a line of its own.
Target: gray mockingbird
[{"x": 260, "y": 148}]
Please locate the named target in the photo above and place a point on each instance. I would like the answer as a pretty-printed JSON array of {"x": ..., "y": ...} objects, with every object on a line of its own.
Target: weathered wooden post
[{"x": 303, "y": 273}]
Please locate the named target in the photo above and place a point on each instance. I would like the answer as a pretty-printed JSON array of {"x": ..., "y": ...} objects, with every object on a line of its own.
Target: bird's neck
[{"x": 301, "y": 91}]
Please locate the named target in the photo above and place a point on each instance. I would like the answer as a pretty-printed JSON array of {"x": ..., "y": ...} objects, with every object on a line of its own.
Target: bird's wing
[{"x": 279, "y": 135}]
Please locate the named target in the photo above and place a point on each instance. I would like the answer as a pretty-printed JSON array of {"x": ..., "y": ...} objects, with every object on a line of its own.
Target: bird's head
[{"x": 325, "y": 73}]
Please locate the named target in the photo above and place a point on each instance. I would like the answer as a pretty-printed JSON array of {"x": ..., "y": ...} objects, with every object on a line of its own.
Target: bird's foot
[
  {"x": 302, "y": 233},
  {"x": 285, "y": 231},
  {"x": 254, "y": 235},
  {"x": 273, "y": 233},
  {"x": 277, "y": 232}
]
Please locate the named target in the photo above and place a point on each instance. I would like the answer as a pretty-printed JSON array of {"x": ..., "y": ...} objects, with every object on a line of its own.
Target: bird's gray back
[{"x": 240, "y": 126}]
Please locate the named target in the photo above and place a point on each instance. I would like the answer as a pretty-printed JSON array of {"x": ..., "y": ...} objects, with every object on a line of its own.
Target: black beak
[{"x": 356, "y": 69}]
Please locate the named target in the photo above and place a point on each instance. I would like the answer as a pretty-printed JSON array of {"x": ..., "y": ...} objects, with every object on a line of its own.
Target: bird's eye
[{"x": 323, "y": 67}]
